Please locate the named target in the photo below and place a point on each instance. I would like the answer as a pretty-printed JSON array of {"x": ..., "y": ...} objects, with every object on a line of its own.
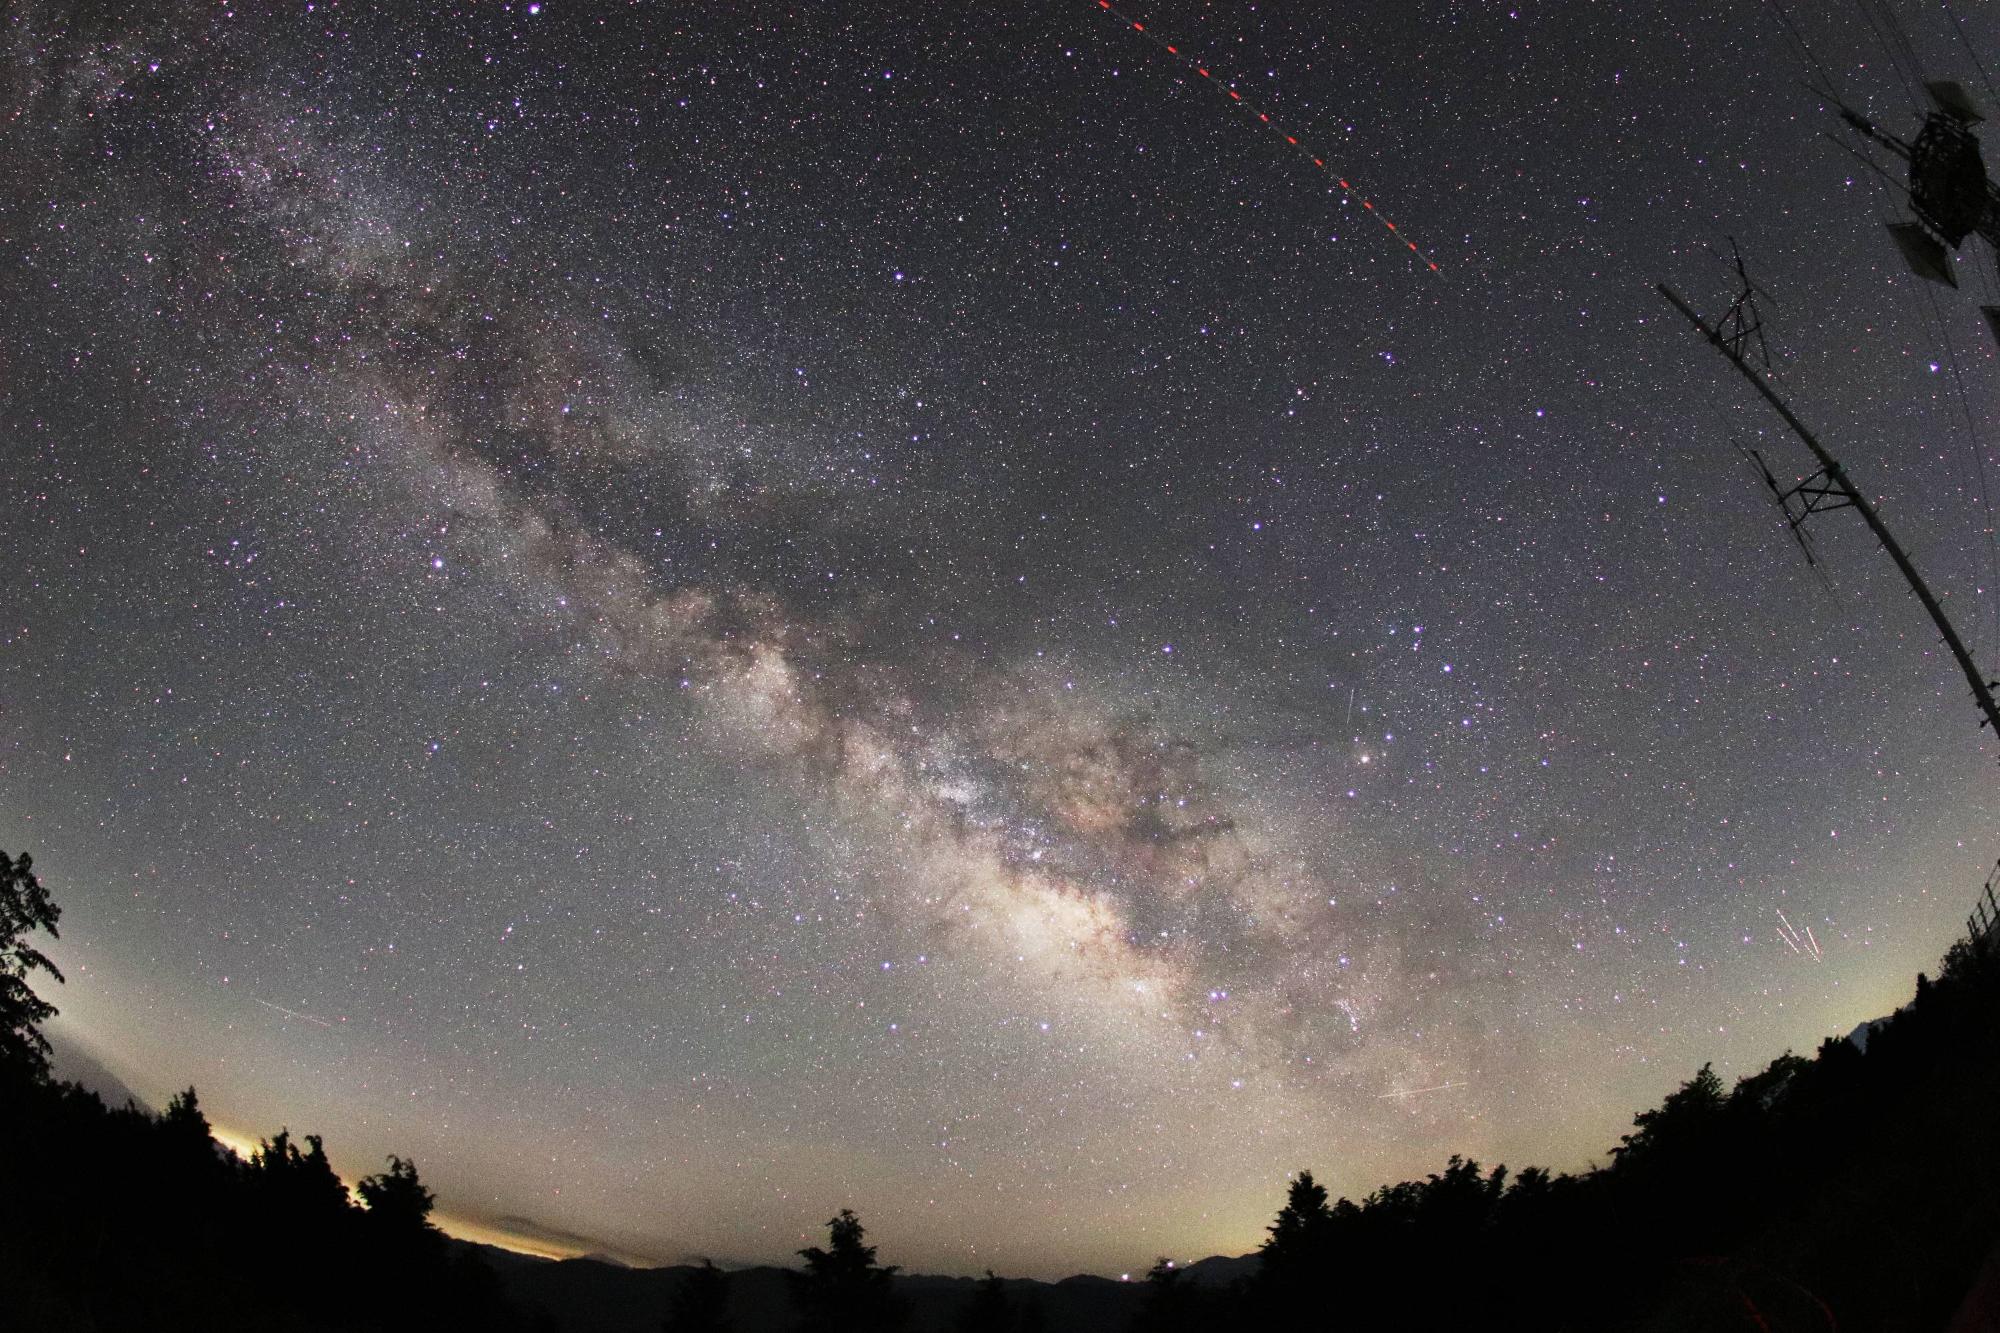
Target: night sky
[{"x": 699, "y": 613}]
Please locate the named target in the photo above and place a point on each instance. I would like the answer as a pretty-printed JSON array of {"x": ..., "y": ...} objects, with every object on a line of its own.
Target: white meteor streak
[
  {"x": 293, "y": 1013},
  {"x": 1412, "y": 1092}
]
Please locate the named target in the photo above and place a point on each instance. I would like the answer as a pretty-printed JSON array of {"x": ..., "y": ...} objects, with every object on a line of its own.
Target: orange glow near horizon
[{"x": 459, "y": 1228}]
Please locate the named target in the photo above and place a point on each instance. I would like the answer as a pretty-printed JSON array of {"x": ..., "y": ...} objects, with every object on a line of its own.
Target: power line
[
  {"x": 1978, "y": 447},
  {"x": 1812, "y": 59},
  {"x": 1868, "y": 13},
  {"x": 1971, "y": 54}
]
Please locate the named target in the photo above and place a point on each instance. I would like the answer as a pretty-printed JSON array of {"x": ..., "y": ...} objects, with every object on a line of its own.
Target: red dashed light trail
[{"x": 1264, "y": 118}]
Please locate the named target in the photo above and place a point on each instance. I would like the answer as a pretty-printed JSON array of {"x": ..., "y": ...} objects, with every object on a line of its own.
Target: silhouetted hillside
[
  {"x": 1858, "y": 1190},
  {"x": 583, "y": 1294},
  {"x": 71, "y": 1063},
  {"x": 1855, "y": 1190},
  {"x": 120, "y": 1219}
]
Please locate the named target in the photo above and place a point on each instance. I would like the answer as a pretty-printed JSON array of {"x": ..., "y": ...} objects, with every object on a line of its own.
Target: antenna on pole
[
  {"x": 1795, "y": 516},
  {"x": 1829, "y": 487},
  {"x": 1950, "y": 196},
  {"x": 1742, "y": 324}
]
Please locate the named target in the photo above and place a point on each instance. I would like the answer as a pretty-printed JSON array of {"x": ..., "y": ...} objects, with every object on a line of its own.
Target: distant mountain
[
  {"x": 603, "y": 1297},
  {"x": 542, "y": 1238},
  {"x": 1219, "y": 1270},
  {"x": 70, "y": 1062},
  {"x": 1864, "y": 1031}
]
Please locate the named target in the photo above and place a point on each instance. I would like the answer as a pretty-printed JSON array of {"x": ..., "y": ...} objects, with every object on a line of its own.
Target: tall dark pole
[{"x": 1981, "y": 691}]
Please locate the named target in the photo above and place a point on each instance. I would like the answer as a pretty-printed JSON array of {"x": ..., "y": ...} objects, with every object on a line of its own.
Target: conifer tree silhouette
[
  {"x": 115, "y": 1218},
  {"x": 1170, "y": 1304},
  {"x": 396, "y": 1199},
  {"x": 1293, "y": 1260},
  {"x": 298, "y": 1185},
  {"x": 701, "y": 1304},
  {"x": 1301, "y": 1225},
  {"x": 1677, "y": 1124},
  {"x": 186, "y": 1128},
  {"x": 24, "y": 908},
  {"x": 988, "y": 1310},
  {"x": 185, "y": 1117},
  {"x": 190, "y": 1160},
  {"x": 843, "y": 1289}
]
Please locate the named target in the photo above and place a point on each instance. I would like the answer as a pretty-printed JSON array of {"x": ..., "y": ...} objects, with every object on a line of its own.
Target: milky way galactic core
[{"x": 698, "y": 614}]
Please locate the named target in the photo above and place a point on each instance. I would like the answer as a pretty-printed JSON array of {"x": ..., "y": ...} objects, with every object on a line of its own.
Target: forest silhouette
[{"x": 1855, "y": 1190}]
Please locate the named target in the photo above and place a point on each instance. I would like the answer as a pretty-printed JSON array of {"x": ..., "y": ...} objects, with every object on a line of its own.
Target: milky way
[{"x": 700, "y": 614}]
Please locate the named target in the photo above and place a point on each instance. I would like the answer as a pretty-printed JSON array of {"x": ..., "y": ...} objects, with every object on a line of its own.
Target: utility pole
[{"x": 1830, "y": 487}]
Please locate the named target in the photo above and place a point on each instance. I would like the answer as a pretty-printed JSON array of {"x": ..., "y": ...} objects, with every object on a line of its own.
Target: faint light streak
[
  {"x": 1417, "y": 1092},
  {"x": 293, "y": 1013}
]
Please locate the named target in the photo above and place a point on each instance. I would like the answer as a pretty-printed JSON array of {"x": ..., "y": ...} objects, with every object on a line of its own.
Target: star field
[{"x": 697, "y": 614}]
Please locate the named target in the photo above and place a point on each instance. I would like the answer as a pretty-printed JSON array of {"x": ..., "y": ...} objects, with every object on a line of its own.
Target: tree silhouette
[
  {"x": 988, "y": 1310},
  {"x": 190, "y": 1159},
  {"x": 1296, "y": 1253},
  {"x": 1301, "y": 1222},
  {"x": 1854, "y": 1190},
  {"x": 24, "y": 907},
  {"x": 1677, "y": 1124},
  {"x": 1760, "y": 1093},
  {"x": 396, "y": 1198},
  {"x": 394, "y": 1240},
  {"x": 1170, "y": 1305},
  {"x": 298, "y": 1186},
  {"x": 115, "y": 1218},
  {"x": 185, "y": 1124},
  {"x": 184, "y": 1115},
  {"x": 843, "y": 1289},
  {"x": 701, "y": 1305}
]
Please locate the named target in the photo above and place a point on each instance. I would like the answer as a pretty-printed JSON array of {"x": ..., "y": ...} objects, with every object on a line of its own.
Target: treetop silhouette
[
  {"x": 701, "y": 1305},
  {"x": 843, "y": 1289},
  {"x": 397, "y": 1197},
  {"x": 25, "y": 907}
]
